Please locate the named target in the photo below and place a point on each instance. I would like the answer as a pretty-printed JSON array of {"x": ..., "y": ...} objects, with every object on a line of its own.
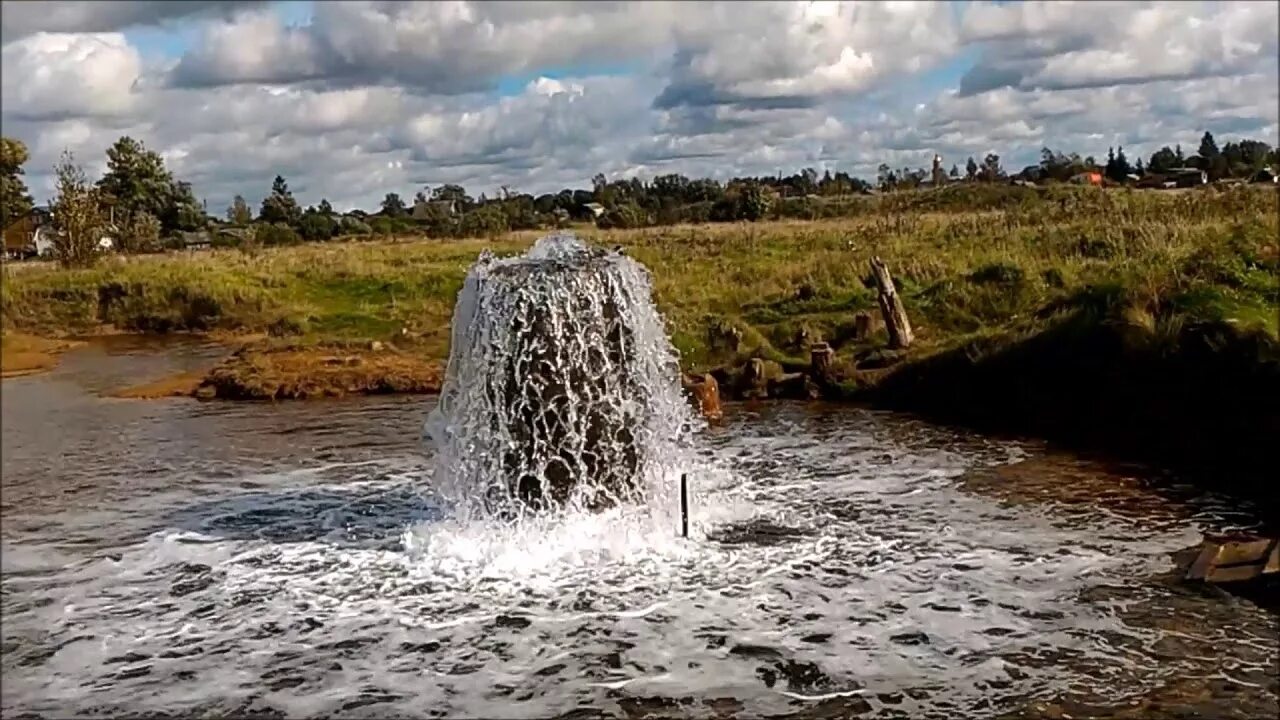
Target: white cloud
[
  {"x": 49, "y": 75},
  {"x": 26, "y": 18},
  {"x": 367, "y": 98}
]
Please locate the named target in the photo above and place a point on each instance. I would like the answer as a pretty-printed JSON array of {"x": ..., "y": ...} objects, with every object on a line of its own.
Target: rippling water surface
[{"x": 210, "y": 558}]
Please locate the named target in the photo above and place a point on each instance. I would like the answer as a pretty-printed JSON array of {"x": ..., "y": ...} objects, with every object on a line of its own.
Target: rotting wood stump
[
  {"x": 1235, "y": 561},
  {"x": 895, "y": 315},
  {"x": 706, "y": 394},
  {"x": 820, "y": 358}
]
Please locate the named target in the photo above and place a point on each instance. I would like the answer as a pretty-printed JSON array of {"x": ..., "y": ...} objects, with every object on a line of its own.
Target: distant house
[
  {"x": 1087, "y": 178},
  {"x": 29, "y": 235},
  {"x": 195, "y": 240},
  {"x": 1187, "y": 176},
  {"x": 596, "y": 209}
]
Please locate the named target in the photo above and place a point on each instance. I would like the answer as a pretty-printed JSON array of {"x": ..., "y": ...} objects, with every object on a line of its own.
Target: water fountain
[{"x": 562, "y": 389}]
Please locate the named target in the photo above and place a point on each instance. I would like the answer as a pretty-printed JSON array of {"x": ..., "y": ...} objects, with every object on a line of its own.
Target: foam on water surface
[{"x": 838, "y": 562}]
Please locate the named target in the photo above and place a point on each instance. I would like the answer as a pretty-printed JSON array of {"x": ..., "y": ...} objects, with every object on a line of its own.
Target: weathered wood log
[
  {"x": 820, "y": 358},
  {"x": 1232, "y": 562},
  {"x": 864, "y": 326},
  {"x": 895, "y": 315}
]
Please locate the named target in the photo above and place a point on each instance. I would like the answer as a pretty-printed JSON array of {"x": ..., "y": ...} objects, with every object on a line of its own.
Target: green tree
[
  {"x": 1162, "y": 161},
  {"x": 77, "y": 215},
  {"x": 141, "y": 233},
  {"x": 316, "y": 226},
  {"x": 1208, "y": 146},
  {"x": 325, "y": 207},
  {"x": 15, "y": 201},
  {"x": 393, "y": 206},
  {"x": 183, "y": 211},
  {"x": 239, "y": 212},
  {"x": 279, "y": 207},
  {"x": 991, "y": 170},
  {"x": 971, "y": 169},
  {"x": 136, "y": 181},
  {"x": 456, "y": 193}
]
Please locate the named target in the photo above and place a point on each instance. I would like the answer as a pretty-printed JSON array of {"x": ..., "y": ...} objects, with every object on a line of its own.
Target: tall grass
[{"x": 967, "y": 263}]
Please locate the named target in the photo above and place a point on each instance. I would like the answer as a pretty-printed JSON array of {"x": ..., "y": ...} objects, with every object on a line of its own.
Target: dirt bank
[
  {"x": 1200, "y": 399},
  {"x": 265, "y": 371},
  {"x": 22, "y": 354}
]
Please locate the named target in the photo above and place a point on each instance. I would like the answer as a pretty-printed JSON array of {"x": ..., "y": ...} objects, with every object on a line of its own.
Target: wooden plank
[
  {"x": 1238, "y": 561},
  {"x": 1233, "y": 573},
  {"x": 1243, "y": 553}
]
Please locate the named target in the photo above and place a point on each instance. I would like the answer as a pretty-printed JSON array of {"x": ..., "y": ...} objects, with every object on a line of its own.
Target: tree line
[{"x": 144, "y": 208}]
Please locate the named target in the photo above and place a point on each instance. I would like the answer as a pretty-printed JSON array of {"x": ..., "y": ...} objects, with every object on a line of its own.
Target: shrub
[
  {"x": 485, "y": 221},
  {"x": 315, "y": 226},
  {"x": 270, "y": 234},
  {"x": 997, "y": 274},
  {"x": 354, "y": 226},
  {"x": 622, "y": 217}
]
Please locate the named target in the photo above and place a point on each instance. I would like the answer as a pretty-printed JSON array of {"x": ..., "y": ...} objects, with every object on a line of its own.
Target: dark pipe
[{"x": 684, "y": 505}]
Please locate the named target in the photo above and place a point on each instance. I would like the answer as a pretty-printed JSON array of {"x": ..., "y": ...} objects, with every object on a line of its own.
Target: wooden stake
[{"x": 895, "y": 315}]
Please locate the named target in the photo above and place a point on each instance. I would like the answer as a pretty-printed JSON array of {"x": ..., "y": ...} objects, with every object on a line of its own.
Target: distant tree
[
  {"x": 136, "y": 181},
  {"x": 393, "y": 206},
  {"x": 325, "y": 207},
  {"x": 239, "y": 212},
  {"x": 955, "y": 172},
  {"x": 971, "y": 169},
  {"x": 15, "y": 200},
  {"x": 77, "y": 215},
  {"x": 1177, "y": 152},
  {"x": 456, "y": 193},
  {"x": 316, "y": 226},
  {"x": 1138, "y": 169},
  {"x": 1208, "y": 146},
  {"x": 183, "y": 211},
  {"x": 1163, "y": 160},
  {"x": 279, "y": 207},
  {"x": 991, "y": 170},
  {"x": 1117, "y": 168}
]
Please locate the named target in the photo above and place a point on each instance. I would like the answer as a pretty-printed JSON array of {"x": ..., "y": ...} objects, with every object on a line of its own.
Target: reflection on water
[{"x": 181, "y": 557}]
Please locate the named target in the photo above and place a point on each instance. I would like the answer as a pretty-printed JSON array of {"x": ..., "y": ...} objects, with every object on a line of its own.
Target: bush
[
  {"x": 486, "y": 221},
  {"x": 623, "y": 217},
  {"x": 354, "y": 226},
  {"x": 141, "y": 233},
  {"x": 270, "y": 234},
  {"x": 315, "y": 226},
  {"x": 997, "y": 274}
]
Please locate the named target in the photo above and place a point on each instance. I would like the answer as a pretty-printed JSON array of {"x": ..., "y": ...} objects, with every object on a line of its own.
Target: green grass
[{"x": 969, "y": 263}]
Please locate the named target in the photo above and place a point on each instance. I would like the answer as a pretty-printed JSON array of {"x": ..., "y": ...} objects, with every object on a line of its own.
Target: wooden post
[
  {"x": 895, "y": 316},
  {"x": 820, "y": 355}
]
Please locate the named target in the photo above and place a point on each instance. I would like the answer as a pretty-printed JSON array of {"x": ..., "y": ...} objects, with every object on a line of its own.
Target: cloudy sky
[{"x": 350, "y": 100}]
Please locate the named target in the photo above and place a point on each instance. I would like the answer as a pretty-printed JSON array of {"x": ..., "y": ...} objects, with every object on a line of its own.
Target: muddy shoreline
[{"x": 1202, "y": 407}]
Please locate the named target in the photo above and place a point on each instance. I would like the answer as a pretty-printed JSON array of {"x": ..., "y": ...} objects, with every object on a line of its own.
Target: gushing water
[{"x": 562, "y": 391}]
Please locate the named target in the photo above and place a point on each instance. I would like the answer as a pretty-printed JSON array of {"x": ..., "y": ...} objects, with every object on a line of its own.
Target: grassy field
[
  {"x": 1137, "y": 323},
  {"x": 1021, "y": 258}
]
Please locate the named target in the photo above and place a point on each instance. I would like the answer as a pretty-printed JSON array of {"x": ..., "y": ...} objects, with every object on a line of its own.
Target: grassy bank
[
  {"x": 1190, "y": 256},
  {"x": 997, "y": 280}
]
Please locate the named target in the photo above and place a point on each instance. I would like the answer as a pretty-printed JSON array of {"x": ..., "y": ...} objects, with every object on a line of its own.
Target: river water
[{"x": 179, "y": 558}]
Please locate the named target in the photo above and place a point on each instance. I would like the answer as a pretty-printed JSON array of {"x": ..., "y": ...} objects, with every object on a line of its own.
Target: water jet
[{"x": 562, "y": 389}]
